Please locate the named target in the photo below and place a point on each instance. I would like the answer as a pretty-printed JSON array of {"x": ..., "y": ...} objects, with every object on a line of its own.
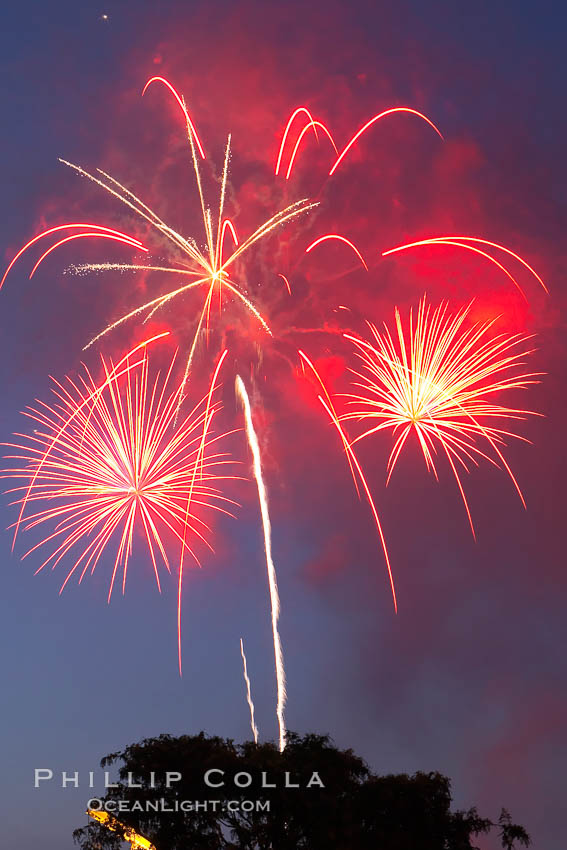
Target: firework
[
  {"x": 108, "y": 458},
  {"x": 465, "y": 243},
  {"x": 354, "y": 465},
  {"x": 86, "y": 230},
  {"x": 286, "y": 283},
  {"x": 313, "y": 124},
  {"x": 272, "y": 578},
  {"x": 339, "y": 238},
  {"x": 104, "y": 460},
  {"x": 208, "y": 270},
  {"x": 248, "y": 692},
  {"x": 437, "y": 380}
]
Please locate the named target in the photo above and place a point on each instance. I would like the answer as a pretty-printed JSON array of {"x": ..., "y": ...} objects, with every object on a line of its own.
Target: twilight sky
[{"x": 469, "y": 678}]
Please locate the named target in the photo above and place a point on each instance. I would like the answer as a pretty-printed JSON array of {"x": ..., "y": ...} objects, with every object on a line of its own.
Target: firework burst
[
  {"x": 437, "y": 380},
  {"x": 207, "y": 269},
  {"x": 104, "y": 459}
]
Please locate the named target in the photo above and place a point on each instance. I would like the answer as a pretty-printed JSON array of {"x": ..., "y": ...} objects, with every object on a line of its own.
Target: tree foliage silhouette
[{"x": 355, "y": 810}]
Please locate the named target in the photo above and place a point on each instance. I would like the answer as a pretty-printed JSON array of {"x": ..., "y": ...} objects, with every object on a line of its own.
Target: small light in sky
[{"x": 104, "y": 16}]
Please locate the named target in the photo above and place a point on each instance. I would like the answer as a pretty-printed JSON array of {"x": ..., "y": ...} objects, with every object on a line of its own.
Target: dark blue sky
[{"x": 470, "y": 678}]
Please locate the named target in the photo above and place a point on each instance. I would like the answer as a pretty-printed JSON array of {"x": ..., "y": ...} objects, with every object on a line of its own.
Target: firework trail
[
  {"x": 272, "y": 578},
  {"x": 104, "y": 459},
  {"x": 437, "y": 381},
  {"x": 339, "y": 239},
  {"x": 314, "y": 124},
  {"x": 87, "y": 230},
  {"x": 354, "y": 465},
  {"x": 463, "y": 242},
  {"x": 248, "y": 692},
  {"x": 286, "y": 283}
]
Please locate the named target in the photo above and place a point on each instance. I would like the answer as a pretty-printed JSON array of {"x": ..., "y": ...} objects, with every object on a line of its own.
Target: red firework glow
[{"x": 437, "y": 381}]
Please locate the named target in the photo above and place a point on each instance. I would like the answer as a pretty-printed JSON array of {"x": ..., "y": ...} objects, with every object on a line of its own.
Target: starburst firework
[
  {"x": 437, "y": 380},
  {"x": 206, "y": 269},
  {"x": 104, "y": 459}
]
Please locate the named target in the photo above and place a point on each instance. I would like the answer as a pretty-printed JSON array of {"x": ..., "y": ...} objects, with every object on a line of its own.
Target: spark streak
[
  {"x": 210, "y": 410},
  {"x": 248, "y": 693},
  {"x": 339, "y": 238},
  {"x": 190, "y": 126},
  {"x": 355, "y": 467},
  {"x": 272, "y": 578},
  {"x": 461, "y": 242},
  {"x": 307, "y": 127},
  {"x": 373, "y": 121},
  {"x": 292, "y": 118},
  {"x": 102, "y": 231}
]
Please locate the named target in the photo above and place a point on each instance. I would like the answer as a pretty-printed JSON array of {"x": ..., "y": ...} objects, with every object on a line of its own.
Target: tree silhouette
[{"x": 355, "y": 810}]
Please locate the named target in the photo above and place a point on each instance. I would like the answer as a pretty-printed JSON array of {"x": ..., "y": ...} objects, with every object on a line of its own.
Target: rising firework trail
[
  {"x": 272, "y": 578},
  {"x": 103, "y": 460},
  {"x": 437, "y": 380},
  {"x": 248, "y": 692}
]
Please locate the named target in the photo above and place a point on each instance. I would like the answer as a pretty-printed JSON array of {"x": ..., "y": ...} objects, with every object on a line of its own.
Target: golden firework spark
[{"x": 437, "y": 381}]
